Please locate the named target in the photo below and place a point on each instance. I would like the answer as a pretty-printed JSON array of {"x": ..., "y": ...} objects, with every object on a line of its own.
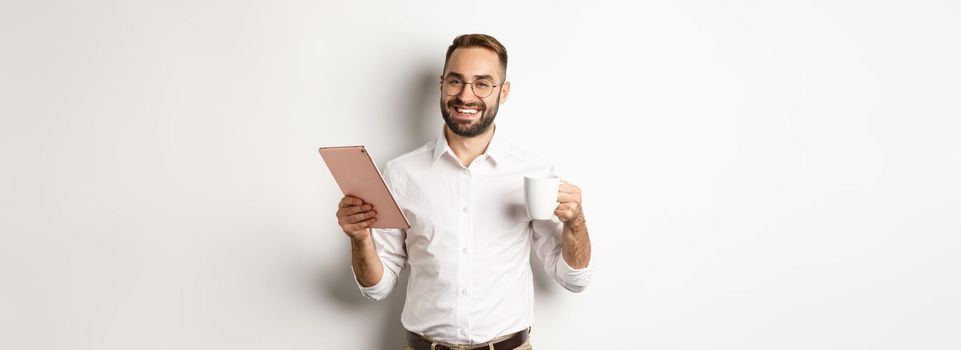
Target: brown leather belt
[{"x": 515, "y": 340}]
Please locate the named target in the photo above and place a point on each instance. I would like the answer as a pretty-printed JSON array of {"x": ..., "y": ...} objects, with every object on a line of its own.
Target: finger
[
  {"x": 360, "y": 225},
  {"x": 349, "y": 201},
  {"x": 568, "y": 188},
  {"x": 354, "y": 209},
  {"x": 359, "y": 217},
  {"x": 353, "y": 219},
  {"x": 572, "y": 206},
  {"x": 560, "y": 208},
  {"x": 564, "y": 197}
]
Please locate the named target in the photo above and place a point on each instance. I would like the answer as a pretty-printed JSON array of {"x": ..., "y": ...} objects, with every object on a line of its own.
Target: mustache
[{"x": 459, "y": 103}]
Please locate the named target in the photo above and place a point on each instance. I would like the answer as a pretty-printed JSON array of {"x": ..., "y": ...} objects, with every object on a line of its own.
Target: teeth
[{"x": 467, "y": 111}]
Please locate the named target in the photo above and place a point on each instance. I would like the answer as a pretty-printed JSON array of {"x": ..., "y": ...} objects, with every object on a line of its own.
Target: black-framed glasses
[{"x": 480, "y": 87}]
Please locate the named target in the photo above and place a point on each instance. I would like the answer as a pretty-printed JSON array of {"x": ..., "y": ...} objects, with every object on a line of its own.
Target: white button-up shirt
[{"x": 469, "y": 244}]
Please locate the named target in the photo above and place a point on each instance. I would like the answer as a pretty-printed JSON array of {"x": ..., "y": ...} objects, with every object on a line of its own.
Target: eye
[
  {"x": 454, "y": 81},
  {"x": 483, "y": 84}
]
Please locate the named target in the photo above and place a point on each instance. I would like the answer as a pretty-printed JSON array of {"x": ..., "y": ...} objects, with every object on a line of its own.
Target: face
[{"x": 466, "y": 114}]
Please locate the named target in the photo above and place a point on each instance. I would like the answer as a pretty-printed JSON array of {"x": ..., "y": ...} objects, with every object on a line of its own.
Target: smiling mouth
[{"x": 466, "y": 112}]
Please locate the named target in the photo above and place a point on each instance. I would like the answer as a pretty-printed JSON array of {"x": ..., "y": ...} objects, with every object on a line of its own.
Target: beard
[{"x": 469, "y": 128}]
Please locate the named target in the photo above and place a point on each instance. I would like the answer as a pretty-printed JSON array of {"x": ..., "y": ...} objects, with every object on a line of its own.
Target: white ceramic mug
[{"x": 540, "y": 195}]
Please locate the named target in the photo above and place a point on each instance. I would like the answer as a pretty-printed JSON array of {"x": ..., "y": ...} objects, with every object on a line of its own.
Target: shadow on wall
[
  {"x": 340, "y": 286},
  {"x": 422, "y": 110}
]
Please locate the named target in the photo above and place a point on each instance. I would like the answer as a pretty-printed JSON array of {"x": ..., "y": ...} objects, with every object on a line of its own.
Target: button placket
[{"x": 465, "y": 267}]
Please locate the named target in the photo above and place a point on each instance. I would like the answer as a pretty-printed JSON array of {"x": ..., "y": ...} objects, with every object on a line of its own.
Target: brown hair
[{"x": 479, "y": 40}]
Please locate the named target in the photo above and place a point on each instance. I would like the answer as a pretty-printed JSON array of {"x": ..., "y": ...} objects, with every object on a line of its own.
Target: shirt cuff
[
  {"x": 575, "y": 280},
  {"x": 378, "y": 291}
]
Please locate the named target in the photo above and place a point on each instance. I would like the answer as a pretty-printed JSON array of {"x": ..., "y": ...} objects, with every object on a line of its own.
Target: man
[{"x": 468, "y": 247}]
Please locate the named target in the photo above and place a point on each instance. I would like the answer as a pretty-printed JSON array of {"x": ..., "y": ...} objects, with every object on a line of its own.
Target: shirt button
[
  {"x": 466, "y": 209},
  {"x": 463, "y": 291},
  {"x": 464, "y": 250},
  {"x": 463, "y": 332}
]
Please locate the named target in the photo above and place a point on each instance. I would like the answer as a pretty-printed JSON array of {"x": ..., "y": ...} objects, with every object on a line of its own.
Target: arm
[
  {"x": 563, "y": 243},
  {"x": 363, "y": 258},
  {"x": 355, "y": 218},
  {"x": 576, "y": 242},
  {"x": 376, "y": 255},
  {"x": 577, "y": 245}
]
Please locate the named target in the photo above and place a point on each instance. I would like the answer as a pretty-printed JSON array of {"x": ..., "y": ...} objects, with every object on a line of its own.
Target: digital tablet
[{"x": 357, "y": 175}]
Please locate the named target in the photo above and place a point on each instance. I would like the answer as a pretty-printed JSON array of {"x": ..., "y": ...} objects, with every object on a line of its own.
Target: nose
[{"x": 467, "y": 93}]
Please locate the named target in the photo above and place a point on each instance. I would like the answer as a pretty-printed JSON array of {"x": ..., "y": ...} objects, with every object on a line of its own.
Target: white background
[{"x": 755, "y": 175}]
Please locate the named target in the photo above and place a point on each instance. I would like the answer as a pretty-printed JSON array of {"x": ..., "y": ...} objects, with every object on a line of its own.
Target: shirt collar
[{"x": 496, "y": 149}]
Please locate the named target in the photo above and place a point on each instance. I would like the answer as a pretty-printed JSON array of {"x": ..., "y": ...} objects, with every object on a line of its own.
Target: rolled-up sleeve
[
  {"x": 389, "y": 244},
  {"x": 549, "y": 245}
]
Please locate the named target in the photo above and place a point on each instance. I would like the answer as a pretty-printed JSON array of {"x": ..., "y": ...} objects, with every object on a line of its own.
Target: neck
[{"x": 468, "y": 148}]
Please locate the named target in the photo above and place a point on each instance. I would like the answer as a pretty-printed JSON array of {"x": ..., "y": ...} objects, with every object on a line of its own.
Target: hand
[
  {"x": 355, "y": 217},
  {"x": 569, "y": 199}
]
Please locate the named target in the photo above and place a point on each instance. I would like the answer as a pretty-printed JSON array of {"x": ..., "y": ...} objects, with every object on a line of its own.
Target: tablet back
[{"x": 357, "y": 175}]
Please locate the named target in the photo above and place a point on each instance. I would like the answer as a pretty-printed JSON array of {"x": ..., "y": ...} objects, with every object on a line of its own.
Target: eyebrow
[{"x": 485, "y": 76}]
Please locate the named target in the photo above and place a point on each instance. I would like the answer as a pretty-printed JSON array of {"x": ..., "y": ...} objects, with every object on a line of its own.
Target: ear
[{"x": 505, "y": 91}]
